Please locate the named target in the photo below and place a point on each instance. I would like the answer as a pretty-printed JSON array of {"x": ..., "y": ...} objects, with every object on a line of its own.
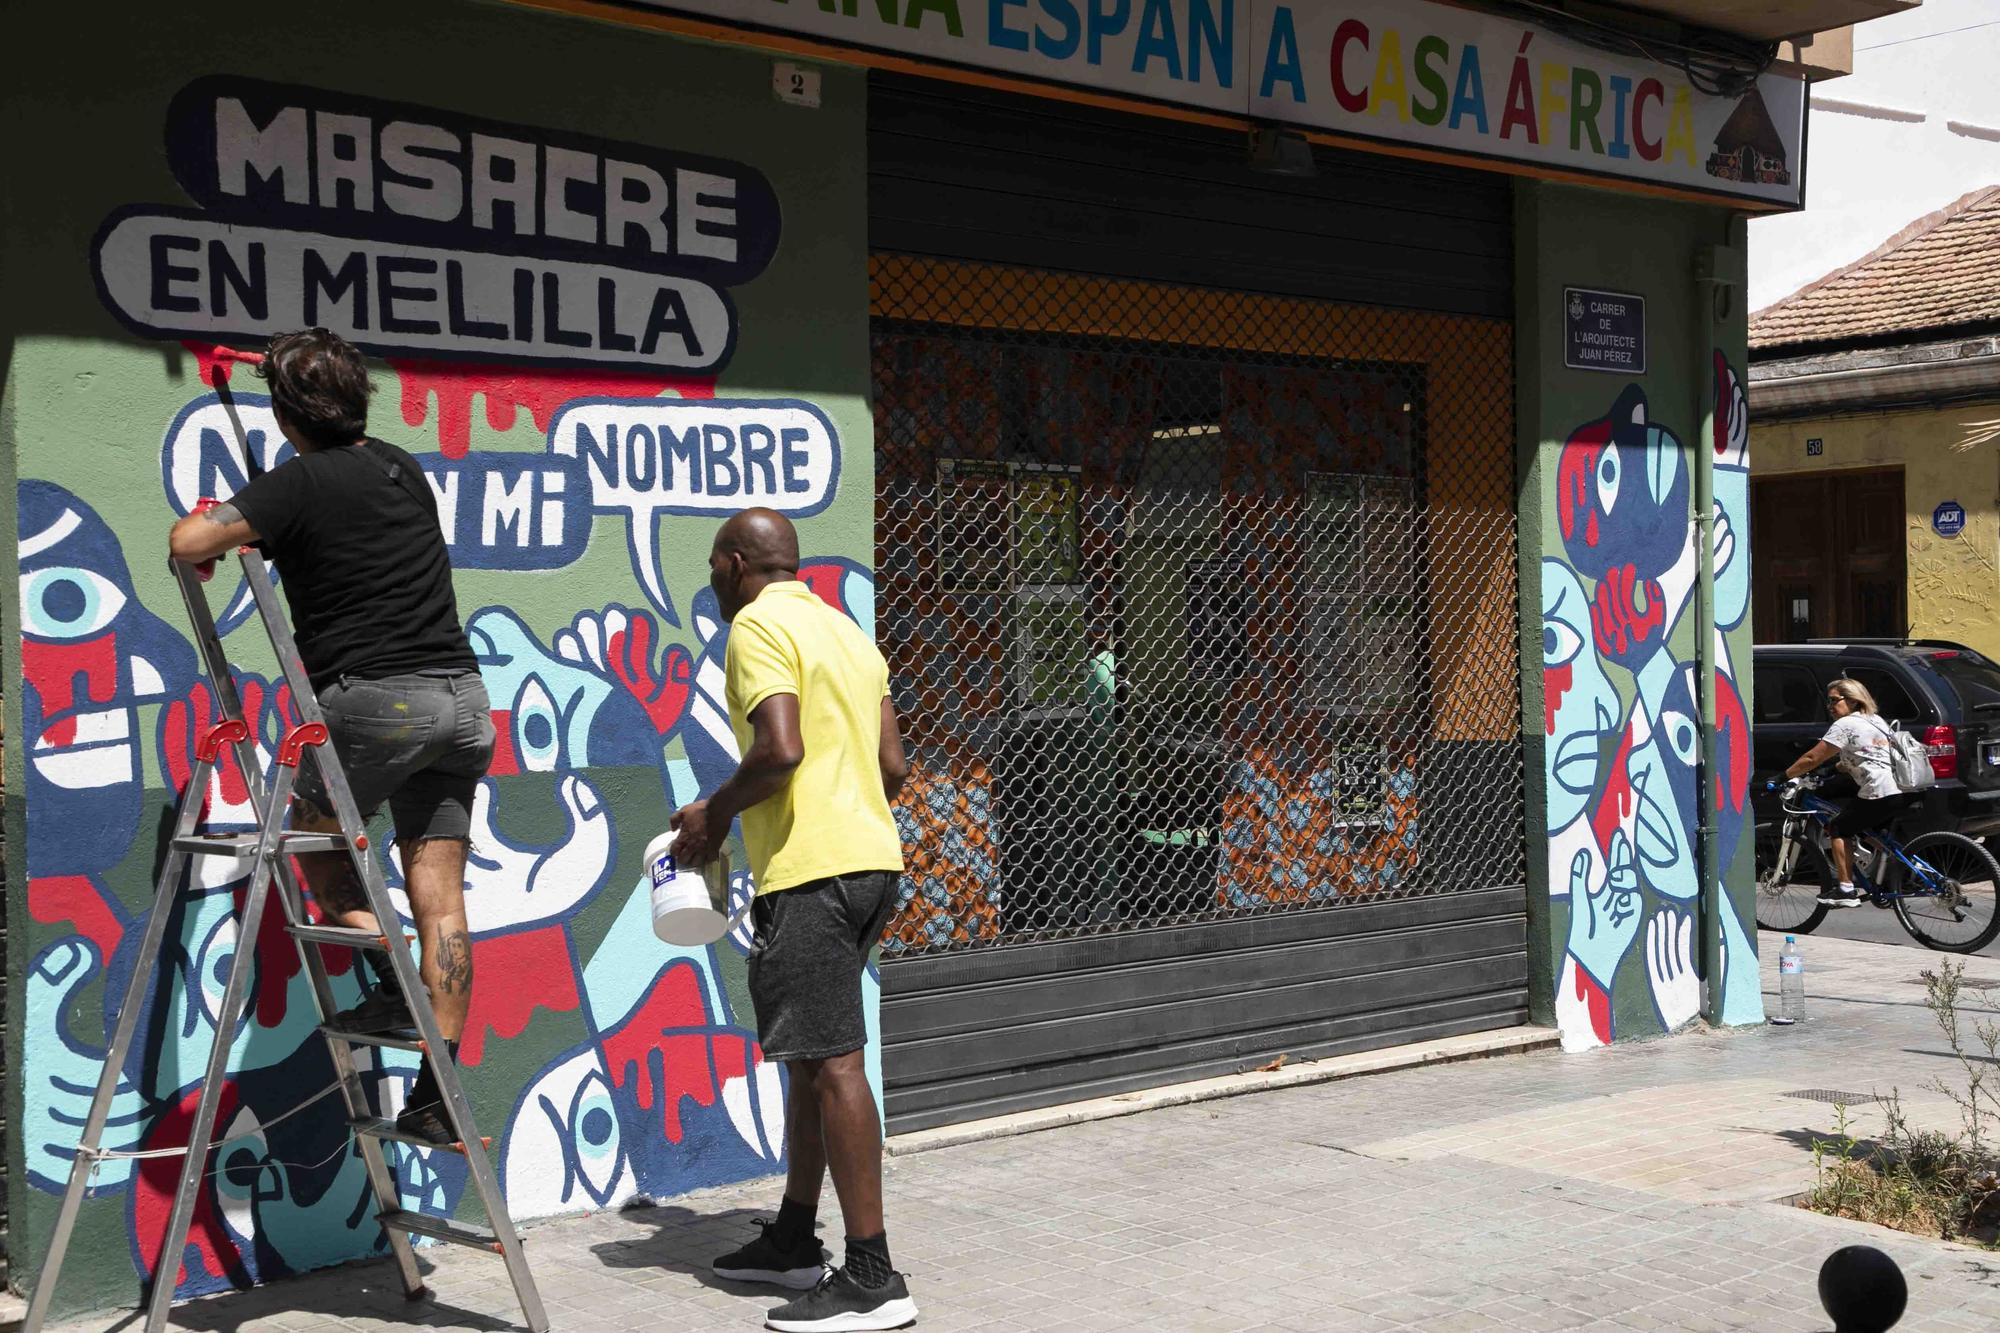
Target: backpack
[{"x": 1909, "y": 759}]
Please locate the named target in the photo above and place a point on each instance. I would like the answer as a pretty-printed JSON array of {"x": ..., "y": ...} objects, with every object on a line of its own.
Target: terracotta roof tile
[{"x": 1940, "y": 272}]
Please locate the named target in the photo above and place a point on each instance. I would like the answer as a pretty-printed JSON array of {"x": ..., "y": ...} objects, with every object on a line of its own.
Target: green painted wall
[
  {"x": 1608, "y": 555},
  {"x": 604, "y": 682}
]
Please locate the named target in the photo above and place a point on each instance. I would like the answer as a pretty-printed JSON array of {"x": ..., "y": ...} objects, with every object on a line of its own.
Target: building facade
[
  {"x": 1196, "y": 485},
  {"x": 1877, "y": 498}
]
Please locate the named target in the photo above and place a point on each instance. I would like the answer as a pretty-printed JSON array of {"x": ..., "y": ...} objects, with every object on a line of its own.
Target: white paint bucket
[{"x": 691, "y": 906}]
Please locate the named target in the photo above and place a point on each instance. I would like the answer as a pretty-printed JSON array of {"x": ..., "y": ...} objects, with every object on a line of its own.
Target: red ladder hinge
[
  {"x": 229, "y": 731},
  {"x": 297, "y": 739}
]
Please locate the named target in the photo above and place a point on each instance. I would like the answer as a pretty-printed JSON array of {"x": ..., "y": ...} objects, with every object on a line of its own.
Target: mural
[
  {"x": 1622, "y": 721},
  {"x": 575, "y": 335}
]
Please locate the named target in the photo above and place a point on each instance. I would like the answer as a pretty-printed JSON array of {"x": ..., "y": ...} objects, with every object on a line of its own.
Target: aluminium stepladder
[{"x": 269, "y": 850}]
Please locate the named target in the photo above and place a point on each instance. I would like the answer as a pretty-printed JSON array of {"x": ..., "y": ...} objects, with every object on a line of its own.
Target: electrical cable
[
  {"x": 141, "y": 1154},
  {"x": 1714, "y": 63}
]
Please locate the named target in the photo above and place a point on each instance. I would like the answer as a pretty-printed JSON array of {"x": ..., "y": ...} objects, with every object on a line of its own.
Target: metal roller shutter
[{"x": 1196, "y": 571}]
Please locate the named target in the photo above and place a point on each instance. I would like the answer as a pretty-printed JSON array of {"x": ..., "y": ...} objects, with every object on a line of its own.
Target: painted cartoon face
[
  {"x": 1622, "y": 493},
  {"x": 1579, "y": 706},
  {"x": 550, "y": 714},
  {"x": 1666, "y": 746},
  {"x": 90, "y": 655}
]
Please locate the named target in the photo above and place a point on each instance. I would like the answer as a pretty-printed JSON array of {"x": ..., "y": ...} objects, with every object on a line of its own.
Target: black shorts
[
  {"x": 1861, "y": 816},
  {"x": 809, "y": 948},
  {"x": 419, "y": 742}
]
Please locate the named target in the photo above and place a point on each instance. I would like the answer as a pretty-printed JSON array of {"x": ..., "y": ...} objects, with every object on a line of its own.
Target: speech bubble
[
  {"x": 648, "y": 458},
  {"x": 201, "y": 459}
]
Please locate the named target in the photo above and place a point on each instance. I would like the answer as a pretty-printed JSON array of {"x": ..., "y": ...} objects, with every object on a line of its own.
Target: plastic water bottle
[{"x": 1791, "y": 982}]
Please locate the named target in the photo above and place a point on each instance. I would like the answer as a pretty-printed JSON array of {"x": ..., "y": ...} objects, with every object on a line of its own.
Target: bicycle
[{"x": 1942, "y": 885}]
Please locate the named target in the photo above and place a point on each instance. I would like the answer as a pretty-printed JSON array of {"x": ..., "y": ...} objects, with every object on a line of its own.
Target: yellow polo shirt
[{"x": 832, "y": 817}]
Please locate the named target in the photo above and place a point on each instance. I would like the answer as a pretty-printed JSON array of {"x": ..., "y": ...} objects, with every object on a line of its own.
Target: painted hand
[
  {"x": 620, "y": 643},
  {"x": 1670, "y": 967},
  {"x": 56, "y": 1102}
]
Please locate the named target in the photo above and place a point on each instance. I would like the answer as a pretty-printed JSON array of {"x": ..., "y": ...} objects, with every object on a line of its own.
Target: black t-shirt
[{"x": 362, "y": 560}]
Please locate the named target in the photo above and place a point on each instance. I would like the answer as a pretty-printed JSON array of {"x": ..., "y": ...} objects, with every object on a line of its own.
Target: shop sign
[
  {"x": 419, "y": 232},
  {"x": 1403, "y": 71},
  {"x": 1604, "y": 331},
  {"x": 1948, "y": 519}
]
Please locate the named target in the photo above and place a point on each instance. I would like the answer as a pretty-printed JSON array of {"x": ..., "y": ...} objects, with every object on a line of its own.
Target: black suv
[{"x": 1943, "y": 693}]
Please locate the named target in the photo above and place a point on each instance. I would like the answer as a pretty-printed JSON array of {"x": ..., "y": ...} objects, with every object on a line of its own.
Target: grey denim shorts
[
  {"x": 419, "y": 742},
  {"x": 808, "y": 950}
]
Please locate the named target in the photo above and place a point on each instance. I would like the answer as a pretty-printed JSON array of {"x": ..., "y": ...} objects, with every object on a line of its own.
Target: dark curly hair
[{"x": 319, "y": 381}]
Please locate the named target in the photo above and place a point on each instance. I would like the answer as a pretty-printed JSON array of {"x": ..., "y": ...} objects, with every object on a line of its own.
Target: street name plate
[{"x": 1604, "y": 331}]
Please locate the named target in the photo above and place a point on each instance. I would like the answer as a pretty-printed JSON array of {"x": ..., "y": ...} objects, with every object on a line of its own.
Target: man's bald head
[
  {"x": 756, "y": 548},
  {"x": 766, "y": 540}
]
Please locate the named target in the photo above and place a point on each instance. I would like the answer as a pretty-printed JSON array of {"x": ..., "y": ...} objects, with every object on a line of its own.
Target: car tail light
[{"x": 1942, "y": 742}]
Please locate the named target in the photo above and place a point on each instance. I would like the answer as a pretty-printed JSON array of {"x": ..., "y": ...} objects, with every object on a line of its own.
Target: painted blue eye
[
  {"x": 1560, "y": 644},
  {"x": 63, "y": 602},
  {"x": 1681, "y": 735},
  {"x": 594, "y": 1138},
  {"x": 1608, "y": 471},
  {"x": 537, "y": 727}
]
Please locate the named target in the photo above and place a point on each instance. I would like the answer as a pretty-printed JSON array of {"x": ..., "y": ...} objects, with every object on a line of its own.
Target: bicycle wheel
[
  {"x": 1960, "y": 916},
  {"x": 1792, "y": 906}
]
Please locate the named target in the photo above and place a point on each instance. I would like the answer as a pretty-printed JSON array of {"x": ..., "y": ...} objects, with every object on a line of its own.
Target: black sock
[
  {"x": 868, "y": 1260},
  {"x": 794, "y": 1226},
  {"x": 385, "y": 976},
  {"x": 424, "y": 1092}
]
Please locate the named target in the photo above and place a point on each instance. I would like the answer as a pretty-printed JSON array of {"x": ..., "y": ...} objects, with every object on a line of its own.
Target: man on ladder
[{"x": 353, "y": 528}]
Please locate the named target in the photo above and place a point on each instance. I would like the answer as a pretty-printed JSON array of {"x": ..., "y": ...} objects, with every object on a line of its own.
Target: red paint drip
[
  {"x": 1556, "y": 682},
  {"x": 54, "y": 670},
  {"x": 153, "y": 1196},
  {"x": 1576, "y": 478},
  {"x": 508, "y": 389},
  {"x": 1598, "y": 1002},
  {"x": 667, "y": 1048},
  {"x": 1733, "y": 730},
  {"x": 506, "y": 761},
  {"x": 76, "y": 901},
  {"x": 1614, "y": 807},
  {"x": 526, "y": 971}
]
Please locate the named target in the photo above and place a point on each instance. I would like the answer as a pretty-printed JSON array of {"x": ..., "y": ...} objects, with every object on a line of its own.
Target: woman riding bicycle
[{"x": 1860, "y": 741}]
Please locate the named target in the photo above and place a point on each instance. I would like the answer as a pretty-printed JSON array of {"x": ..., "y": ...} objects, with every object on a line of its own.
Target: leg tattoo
[{"x": 455, "y": 963}]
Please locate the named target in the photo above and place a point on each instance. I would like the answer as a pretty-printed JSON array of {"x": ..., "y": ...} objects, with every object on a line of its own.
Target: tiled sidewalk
[{"x": 1626, "y": 1189}]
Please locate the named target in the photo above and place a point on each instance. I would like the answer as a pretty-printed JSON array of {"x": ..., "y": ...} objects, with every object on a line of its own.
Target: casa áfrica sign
[{"x": 1403, "y": 71}]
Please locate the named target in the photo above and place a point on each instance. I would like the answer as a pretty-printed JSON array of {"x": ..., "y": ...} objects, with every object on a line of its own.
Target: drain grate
[{"x": 1834, "y": 1096}]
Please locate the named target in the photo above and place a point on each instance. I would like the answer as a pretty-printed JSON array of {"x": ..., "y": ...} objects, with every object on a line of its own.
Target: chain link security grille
[{"x": 1197, "y": 604}]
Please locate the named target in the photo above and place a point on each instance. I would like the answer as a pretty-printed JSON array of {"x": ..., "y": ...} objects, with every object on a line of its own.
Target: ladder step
[
  {"x": 347, "y": 935},
  {"x": 439, "y": 1228},
  {"x": 386, "y": 1129},
  {"x": 240, "y": 845},
  {"x": 395, "y": 1041}
]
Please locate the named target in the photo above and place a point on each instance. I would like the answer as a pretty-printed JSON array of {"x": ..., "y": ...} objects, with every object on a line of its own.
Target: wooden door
[{"x": 1828, "y": 556}]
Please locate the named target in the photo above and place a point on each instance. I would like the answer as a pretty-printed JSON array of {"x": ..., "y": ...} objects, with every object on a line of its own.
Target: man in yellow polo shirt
[{"x": 822, "y": 758}]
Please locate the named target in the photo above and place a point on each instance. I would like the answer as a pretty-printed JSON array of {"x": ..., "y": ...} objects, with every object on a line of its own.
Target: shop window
[{"x": 1015, "y": 529}]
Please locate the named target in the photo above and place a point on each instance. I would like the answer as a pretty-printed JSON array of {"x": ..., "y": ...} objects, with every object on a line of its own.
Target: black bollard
[{"x": 1862, "y": 1289}]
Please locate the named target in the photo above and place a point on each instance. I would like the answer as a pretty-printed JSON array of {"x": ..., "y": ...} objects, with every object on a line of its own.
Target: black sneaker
[
  {"x": 763, "y": 1260},
  {"x": 427, "y": 1123},
  {"x": 839, "y": 1304},
  {"x": 1836, "y": 896},
  {"x": 379, "y": 1011}
]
